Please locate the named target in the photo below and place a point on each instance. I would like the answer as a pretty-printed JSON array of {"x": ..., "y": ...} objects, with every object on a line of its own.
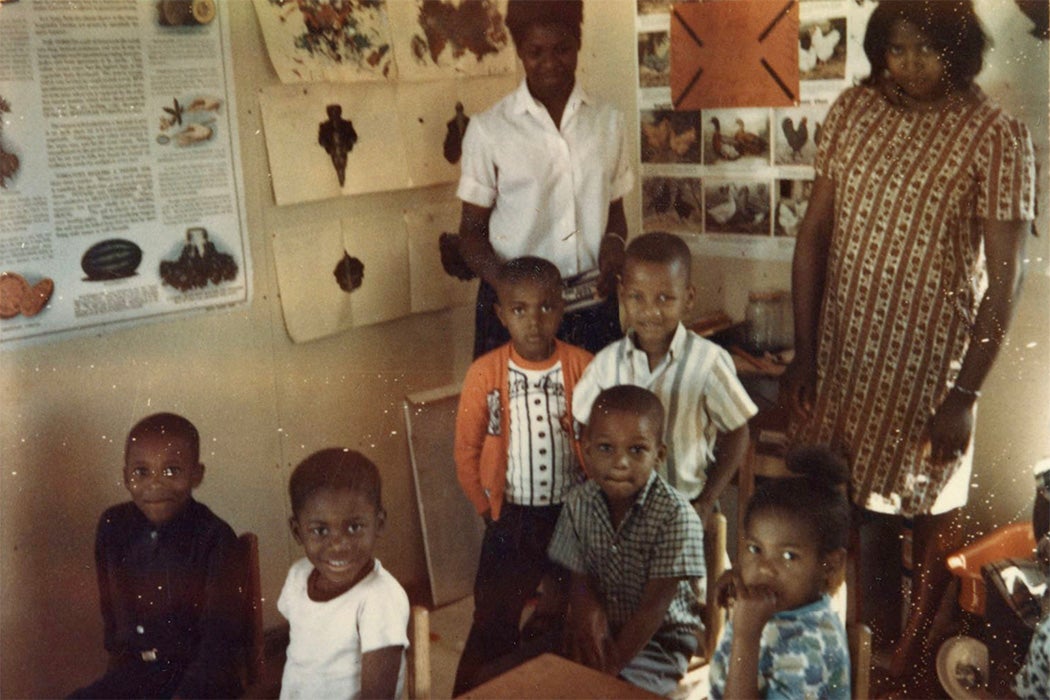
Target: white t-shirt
[
  {"x": 328, "y": 639},
  {"x": 549, "y": 188}
]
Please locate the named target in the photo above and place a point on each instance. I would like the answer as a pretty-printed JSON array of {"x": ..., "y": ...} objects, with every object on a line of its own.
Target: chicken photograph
[
  {"x": 735, "y": 134},
  {"x": 795, "y": 136},
  {"x": 737, "y": 207},
  {"x": 672, "y": 204},
  {"x": 670, "y": 137},
  {"x": 822, "y": 49}
]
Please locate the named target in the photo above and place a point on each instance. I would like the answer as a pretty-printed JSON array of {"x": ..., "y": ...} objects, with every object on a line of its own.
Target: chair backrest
[
  {"x": 254, "y": 660},
  {"x": 859, "y": 637},
  {"x": 418, "y": 682},
  {"x": 715, "y": 558}
]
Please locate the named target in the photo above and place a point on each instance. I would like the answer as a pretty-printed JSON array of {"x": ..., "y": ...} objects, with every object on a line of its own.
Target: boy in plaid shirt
[{"x": 634, "y": 547}]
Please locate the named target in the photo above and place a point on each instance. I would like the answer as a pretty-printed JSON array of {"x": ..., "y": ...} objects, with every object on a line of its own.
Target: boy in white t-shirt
[{"x": 348, "y": 616}]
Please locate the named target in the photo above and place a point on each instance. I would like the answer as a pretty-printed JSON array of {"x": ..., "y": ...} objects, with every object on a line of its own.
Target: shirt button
[
  {"x": 543, "y": 467},
  {"x": 153, "y": 535},
  {"x": 543, "y": 450},
  {"x": 542, "y": 434},
  {"x": 537, "y": 402},
  {"x": 543, "y": 483},
  {"x": 140, "y": 629},
  {"x": 539, "y": 419}
]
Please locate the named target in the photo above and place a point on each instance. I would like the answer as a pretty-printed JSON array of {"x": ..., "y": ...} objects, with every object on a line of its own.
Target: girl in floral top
[{"x": 783, "y": 639}]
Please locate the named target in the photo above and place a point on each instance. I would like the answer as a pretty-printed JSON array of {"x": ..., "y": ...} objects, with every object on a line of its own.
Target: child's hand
[
  {"x": 589, "y": 637},
  {"x": 753, "y": 607},
  {"x": 725, "y": 588}
]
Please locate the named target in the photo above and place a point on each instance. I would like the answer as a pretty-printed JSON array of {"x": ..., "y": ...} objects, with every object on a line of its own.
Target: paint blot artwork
[
  {"x": 349, "y": 273},
  {"x": 456, "y": 128},
  {"x": 337, "y": 136}
]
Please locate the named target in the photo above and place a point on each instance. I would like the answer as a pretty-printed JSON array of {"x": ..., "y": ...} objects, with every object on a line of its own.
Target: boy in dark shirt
[{"x": 169, "y": 576}]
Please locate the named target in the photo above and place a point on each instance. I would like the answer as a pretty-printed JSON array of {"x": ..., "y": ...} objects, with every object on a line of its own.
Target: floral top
[{"x": 803, "y": 655}]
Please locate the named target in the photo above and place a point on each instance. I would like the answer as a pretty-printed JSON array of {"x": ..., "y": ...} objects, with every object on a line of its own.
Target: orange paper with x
[{"x": 734, "y": 53}]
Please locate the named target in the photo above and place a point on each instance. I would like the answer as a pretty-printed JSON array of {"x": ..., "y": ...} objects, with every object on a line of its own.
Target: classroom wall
[{"x": 262, "y": 403}]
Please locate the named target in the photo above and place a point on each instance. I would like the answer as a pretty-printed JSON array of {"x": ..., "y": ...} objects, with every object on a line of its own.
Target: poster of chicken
[
  {"x": 796, "y": 132},
  {"x": 440, "y": 39},
  {"x": 670, "y": 137},
  {"x": 737, "y": 137},
  {"x": 320, "y": 40}
]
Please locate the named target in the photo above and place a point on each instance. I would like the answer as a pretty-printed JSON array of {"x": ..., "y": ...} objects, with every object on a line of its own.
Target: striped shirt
[
  {"x": 697, "y": 384},
  {"x": 541, "y": 463},
  {"x": 660, "y": 537}
]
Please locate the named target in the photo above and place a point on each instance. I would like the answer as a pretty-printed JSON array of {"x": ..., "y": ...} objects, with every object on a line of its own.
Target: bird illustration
[
  {"x": 796, "y": 138},
  {"x": 724, "y": 211},
  {"x": 749, "y": 143},
  {"x": 681, "y": 142},
  {"x": 686, "y": 201},
  {"x": 657, "y": 137},
  {"x": 657, "y": 195},
  {"x": 824, "y": 44},
  {"x": 807, "y": 57},
  {"x": 719, "y": 145}
]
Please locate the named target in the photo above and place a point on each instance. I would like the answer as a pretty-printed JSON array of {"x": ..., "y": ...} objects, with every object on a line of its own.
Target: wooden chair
[
  {"x": 255, "y": 657},
  {"x": 859, "y": 637},
  {"x": 418, "y": 680},
  {"x": 715, "y": 557},
  {"x": 694, "y": 684}
]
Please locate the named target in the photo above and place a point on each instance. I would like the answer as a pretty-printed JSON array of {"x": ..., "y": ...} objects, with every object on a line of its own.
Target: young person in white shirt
[{"x": 544, "y": 172}]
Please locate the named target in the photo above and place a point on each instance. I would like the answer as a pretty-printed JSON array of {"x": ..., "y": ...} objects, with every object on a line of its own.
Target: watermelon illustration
[{"x": 111, "y": 259}]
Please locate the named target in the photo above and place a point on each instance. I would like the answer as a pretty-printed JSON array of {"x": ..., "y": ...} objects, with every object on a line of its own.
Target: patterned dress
[{"x": 905, "y": 276}]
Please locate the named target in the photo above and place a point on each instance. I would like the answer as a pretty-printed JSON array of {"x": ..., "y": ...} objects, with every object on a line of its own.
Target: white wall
[{"x": 263, "y": 403}]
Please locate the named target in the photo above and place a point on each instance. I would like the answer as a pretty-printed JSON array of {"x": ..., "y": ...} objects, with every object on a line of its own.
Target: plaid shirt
[{"x": 661, "y": 537}]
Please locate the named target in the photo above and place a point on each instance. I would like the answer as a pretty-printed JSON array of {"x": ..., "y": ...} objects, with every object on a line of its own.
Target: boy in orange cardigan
[{"x": 516, "y": 455}]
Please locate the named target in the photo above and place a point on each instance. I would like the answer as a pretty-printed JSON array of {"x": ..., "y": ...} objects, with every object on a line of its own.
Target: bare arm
[
  {"x": 611, "y": 252},
  {"x": 752, "y": 608},
  {"x": 643, "y": 624},
  {"x": 730, "y": 449},
  {"x": 588, "y": 630},
  {"x": 807, "y": 291},
  {"x": 379, "y": 672},
  {"x": 951, "y": 426},
  {"x": 476, "y": 249}
]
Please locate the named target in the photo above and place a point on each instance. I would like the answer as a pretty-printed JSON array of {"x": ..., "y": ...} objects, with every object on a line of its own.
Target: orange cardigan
[{"x": 481, "y": 453}]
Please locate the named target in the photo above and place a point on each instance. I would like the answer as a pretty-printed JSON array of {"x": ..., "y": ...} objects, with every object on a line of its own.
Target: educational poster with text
[{"x": 120, "y": 184}]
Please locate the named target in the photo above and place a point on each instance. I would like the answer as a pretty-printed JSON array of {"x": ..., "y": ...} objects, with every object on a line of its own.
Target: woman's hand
[
  {"x": 950, "y": 428},
  {"x": 798, "y": 386}
]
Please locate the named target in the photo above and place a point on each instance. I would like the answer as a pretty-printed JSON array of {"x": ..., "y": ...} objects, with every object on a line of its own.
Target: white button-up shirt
[{"x": 549, "y": 188}]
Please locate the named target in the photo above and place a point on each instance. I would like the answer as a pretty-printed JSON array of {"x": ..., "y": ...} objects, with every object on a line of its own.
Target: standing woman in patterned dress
[{"x": 906, "y": 269}]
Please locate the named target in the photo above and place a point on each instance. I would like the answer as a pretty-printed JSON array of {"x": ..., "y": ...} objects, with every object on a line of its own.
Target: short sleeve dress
[{"x": 905, "y": 276}]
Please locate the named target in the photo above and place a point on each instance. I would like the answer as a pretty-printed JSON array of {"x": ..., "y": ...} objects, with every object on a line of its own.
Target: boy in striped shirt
[{"x": 707, "y": 407}]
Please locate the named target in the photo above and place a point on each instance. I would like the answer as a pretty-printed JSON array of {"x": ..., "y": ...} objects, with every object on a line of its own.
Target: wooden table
[{"x": 551, "y": 677}]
